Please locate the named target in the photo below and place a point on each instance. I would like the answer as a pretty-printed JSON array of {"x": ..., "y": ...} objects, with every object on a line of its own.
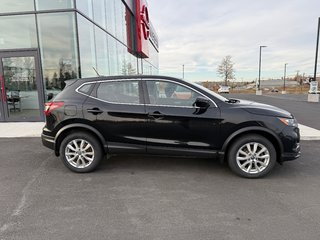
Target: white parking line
[{"x": 308, "y": 133}]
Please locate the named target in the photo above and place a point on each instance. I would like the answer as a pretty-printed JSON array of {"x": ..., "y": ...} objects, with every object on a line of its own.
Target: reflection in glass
[
  {"x": 102, "y": 52},
  {"x": 21, "y": 88},
  {"x": 87, "y": 47},
  {"x": 120, "y": 21},
  {"x": 58, "y": 49},
  {"x": 113, "y": 56},
  {"x": 85, "y": 6},
  {"x": 110, "y": 13},
  {"x": 126, "y": 65},
  {"x": 18, "y": 32},
  {"x": 53, "y": 4},
  {"x": 99, "y": 12},
  {"x": 16, "y": 6}
]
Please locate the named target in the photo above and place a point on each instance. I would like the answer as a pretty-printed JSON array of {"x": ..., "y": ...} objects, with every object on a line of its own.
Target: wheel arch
[
  {"x": 268, "y": 134},
  {"x": 64, "y": 131}
]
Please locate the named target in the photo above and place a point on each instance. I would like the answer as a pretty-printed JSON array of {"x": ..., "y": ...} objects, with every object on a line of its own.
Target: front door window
[{"x": 163, "y": 93}]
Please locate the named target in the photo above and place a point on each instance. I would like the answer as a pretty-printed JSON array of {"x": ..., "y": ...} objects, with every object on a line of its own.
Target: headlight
[{"x": 289, "y": 121}]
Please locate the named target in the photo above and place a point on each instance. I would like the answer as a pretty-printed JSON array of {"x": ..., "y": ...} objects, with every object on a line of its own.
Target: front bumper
[
  {"x": 290, "y": 137},
  {"x": 289, "y": 156}
]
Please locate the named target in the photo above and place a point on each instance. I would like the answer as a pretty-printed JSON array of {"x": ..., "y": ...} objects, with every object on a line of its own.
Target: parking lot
[
  {"x": 307, "y": 113},
  {"x": 132, "y": 197},
  {"x": 135, "y": 197}
]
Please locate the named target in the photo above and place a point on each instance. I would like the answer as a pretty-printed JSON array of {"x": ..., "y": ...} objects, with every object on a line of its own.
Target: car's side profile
[{"x": 162, "y": 115}]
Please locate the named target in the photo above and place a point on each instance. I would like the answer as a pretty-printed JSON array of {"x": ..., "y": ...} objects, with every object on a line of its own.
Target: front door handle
[
  {"x": 95, "y": 111},
  {"x": 156, "y": 115}
]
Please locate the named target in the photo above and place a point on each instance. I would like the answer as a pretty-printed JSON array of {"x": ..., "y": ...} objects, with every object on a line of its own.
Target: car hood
[{"x": 263, "y": 109}]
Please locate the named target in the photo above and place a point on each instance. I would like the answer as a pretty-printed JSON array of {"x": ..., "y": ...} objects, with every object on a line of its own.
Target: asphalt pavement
[{"x": 135, "y": 197}]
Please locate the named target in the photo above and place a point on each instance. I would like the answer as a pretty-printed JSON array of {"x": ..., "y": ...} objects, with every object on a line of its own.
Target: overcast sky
[{"x": 199, "y": 33}]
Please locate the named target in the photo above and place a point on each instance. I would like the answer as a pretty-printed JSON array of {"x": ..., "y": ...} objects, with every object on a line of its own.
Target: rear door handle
[
  {"x": 95, "y": 111},
  {"x": 156, "y": 115}
]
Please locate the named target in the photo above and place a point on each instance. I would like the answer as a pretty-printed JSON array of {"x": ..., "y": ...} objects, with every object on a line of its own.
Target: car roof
[{"x": 119, "y": 77}]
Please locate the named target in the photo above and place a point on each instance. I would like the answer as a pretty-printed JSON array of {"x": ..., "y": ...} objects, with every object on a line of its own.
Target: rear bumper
[{"x": 47, "y": 141}]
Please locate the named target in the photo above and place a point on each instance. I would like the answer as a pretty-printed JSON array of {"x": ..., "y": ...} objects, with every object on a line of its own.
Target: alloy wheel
[
  {"x": 79, "y": 153},
  {"x": 253, "y": 157}
]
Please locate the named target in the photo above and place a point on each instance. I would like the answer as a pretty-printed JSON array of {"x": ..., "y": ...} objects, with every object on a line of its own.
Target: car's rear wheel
[
  {"x": 81, "y": 152},
  {"x": 252, "y": 156}
]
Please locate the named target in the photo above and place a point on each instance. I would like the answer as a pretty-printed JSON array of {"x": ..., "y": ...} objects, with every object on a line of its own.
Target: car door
[
  {"x": 174, "y": 124},
  {"x": 117, "y": 110}
]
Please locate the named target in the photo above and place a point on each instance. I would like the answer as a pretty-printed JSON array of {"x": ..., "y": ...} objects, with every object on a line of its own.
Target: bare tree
[{"x": 225, "y": 69}]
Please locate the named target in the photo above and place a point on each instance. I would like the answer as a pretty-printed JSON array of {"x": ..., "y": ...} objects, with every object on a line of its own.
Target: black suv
[{"x": 162, "y": 115}]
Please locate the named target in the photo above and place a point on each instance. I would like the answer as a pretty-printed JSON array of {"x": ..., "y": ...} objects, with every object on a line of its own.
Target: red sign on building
[{"x": 142, "y": 28}]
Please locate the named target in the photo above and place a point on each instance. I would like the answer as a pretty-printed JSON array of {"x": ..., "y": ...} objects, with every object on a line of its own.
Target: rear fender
[{"x": 59, "y": 136}]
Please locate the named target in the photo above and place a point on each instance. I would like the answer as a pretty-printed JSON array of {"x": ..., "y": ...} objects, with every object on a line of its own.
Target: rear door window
[{"x": 122, "y": 92}]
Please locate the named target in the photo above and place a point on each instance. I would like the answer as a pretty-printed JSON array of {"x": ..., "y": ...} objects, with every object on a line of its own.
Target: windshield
[{"x": 216, "y": 95}]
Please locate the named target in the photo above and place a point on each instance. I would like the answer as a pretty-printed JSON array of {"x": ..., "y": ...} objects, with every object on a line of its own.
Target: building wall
[{"x": 75, "y": 38}]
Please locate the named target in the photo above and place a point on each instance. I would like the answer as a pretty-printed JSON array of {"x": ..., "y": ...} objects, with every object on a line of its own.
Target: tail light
[{"x": 50, "y": 106}]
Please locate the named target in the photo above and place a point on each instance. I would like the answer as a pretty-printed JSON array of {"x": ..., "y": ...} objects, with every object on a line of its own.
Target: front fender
[{"x": 252, "y": 129}]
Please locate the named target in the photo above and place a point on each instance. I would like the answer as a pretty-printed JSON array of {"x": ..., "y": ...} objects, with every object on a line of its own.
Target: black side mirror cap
[{"x": 202, "y": 103}]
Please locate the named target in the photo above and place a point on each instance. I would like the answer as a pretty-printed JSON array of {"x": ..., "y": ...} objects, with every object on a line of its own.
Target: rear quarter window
[{"x": 86, "y": 89}]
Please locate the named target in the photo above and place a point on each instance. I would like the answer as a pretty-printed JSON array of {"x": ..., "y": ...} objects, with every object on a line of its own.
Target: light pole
[
  {"x": 258, "y": 91},
  {"x": 182, "y": 71},
  {"x": 284, "y": 78},
  {"x": 315, "y": 97},
  {"x": 317, "y": 49}
]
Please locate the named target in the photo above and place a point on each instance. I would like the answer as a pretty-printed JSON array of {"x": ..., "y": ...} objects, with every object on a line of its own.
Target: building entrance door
[{"x": 21, "y": 95}]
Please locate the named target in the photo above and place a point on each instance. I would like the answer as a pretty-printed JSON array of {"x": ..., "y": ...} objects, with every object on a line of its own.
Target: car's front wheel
[
  {"x": 81, "y": 152},
  {"x": 252, "y": 156}
]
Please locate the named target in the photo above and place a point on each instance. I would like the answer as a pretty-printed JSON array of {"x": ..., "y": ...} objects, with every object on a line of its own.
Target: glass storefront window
[
  {"x": 58, "y": 49},
  {"x": 113, "y": 56},
  {"x": 120, "y": 24},
  {"x": 18, "y": 32},
  {"x": 85, "y": 6},
  {"x": 8, "y": 6},
  {"x": 132, "y": 64},
  {"x": 99, "y": 12},
  {"x": 87, "y": 47},
  {"x": 21, "y": 86},
  {"x": 102, "y": 52},
  {"x": 126, "y": 64},
  {"x": 53, "y": 4},
  {"x": 110, "y": 13}
]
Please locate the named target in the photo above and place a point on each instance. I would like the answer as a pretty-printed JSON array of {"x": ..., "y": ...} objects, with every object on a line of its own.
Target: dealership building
[{"x": 43, "y": 43}]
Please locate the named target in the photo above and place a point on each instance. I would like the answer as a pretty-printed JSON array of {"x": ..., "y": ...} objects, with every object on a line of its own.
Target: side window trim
[
  {"x": 181, "y": 84},
  {"x": 97, "y": 84}
]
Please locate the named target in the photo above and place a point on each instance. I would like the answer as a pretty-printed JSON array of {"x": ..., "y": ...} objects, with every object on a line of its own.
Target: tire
[
  {"x": 81, "y": 152},
  {"x": 252, "y": 156}
]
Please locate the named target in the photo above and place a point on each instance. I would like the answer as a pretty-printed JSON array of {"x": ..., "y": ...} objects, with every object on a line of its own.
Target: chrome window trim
[
  {"x": 186, "y": 86},
  {"x": 139, "y": 104},
  {"x": 101, "y": 100}
]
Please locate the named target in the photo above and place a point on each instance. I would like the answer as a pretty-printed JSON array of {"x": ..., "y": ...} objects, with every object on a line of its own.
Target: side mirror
[{"x": 202, "y": 103}]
